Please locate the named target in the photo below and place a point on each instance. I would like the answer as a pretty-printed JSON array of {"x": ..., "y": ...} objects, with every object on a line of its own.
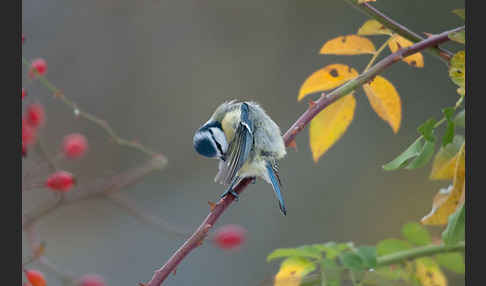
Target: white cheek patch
[{"x": 220, "y": 138}]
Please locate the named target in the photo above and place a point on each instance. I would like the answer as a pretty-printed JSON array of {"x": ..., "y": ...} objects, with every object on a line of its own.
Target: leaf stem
[
  {"x": 323, "y": 275},
  {"x": 377, "y": 53},
  {"x": 418, "y": 252},
  {"x": 398, "y": 28}
]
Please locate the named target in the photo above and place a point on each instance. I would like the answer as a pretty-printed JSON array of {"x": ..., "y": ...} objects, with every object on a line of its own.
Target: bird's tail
[{"x": 276, "y": 187}]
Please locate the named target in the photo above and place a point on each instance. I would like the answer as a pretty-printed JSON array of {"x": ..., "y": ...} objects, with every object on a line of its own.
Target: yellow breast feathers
[{"x": 230, "y": 122}]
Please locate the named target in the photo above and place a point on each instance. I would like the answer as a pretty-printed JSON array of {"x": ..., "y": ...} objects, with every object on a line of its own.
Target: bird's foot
[{"x": 230, "y": 191}]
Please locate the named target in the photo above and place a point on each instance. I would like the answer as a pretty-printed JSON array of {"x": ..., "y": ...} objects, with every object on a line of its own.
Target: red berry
[
  {"x": 230, "y": 236},
  {"x": 35, "y": 115},
  {"x": 60, "y": 181},
  {"x": 40, "y": 65},
  {"x": 91, "y": 280},
  {"x": 74, "y": 145},
  {"x": 35, "y": 277},
  {"x": 28, "y": 133},
  {"x": 24, "y": 93}
]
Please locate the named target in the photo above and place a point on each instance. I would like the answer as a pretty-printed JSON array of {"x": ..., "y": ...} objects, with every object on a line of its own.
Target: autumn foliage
[{"x": 329, "y": 262}]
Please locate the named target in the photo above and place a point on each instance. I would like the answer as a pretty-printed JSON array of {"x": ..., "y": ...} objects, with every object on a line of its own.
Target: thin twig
[
  {"x": 196, "y": 239},
  {"x": 34, "y": 243},
  {"x": 108, "y": 186},
  {"x": 398, "y": 28},
  {"x": 108, "y": 189},
  {"x": 129, "y": 205},
  {"x": 90, "y": 117}
]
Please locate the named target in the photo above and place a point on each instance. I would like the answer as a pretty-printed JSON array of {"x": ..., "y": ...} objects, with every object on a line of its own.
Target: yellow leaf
[
  {"x": 373, "y": 27},
  {"x": 444, "y": 164},
  {"x": 429, "y": 273},
  {"x": 446, "y": 201},
  {"x": 330, "y": 124},
  {"x": 385, "y": 101},
  {"x": 397, "y": 42},
  {"x": 457, "y": 69},
  {"x": 326, "y": 78},
  {"x": 348, "y": 45},
  {"x": 292, "y": 270}
]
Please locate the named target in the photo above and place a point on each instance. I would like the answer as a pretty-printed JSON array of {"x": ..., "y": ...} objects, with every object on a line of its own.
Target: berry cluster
[{"x": 73, "y": 146}]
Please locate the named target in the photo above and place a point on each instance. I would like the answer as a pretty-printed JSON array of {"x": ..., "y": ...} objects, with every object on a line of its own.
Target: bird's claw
[{"x": 237, "y": 197}]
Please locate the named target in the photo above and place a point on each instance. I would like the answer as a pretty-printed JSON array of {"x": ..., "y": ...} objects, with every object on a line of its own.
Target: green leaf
[
  {"x": 457, "y": 70},
  {"x": 424, "y": 157},
  {"x": 331, "y": 272},
  {"x": 351, "y": 260},
  {"x": 416, "y": 233},
  {"x": 427, "y": 129},
  {"x": 460, "y": 12},
  {"x": 448, "y": 113},
  {"x": 308, "y": 252},
  {"x": 332, "y": 249},
  {"x": 449, "y": 133},
  {"x": 391, "y": 245},
  {"x": 450, "y": 130},
  {"x": 455, "y": 230},
  {"x": 460, "y": 119},
  {"x": 453, "y": 261},
  {"x": 411, "y": 152},
  {"x": 368, "y": 255},
  {"x": 459, "y": 37}
]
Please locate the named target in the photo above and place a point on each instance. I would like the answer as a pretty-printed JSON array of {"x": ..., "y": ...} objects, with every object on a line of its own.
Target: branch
[
  {"x": 325, "y": 100},
  {"x": 418, "y": 252},
  {"x": 398, "y": 28},
  {"x": 105, "y": 188}
]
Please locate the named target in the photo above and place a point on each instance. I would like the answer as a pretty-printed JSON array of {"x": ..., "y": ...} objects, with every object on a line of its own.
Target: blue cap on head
[{"x": 204, "y": 144}]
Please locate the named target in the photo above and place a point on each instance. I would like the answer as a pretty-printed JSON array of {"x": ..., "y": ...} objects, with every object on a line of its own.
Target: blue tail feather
[{"x": 276, "y": 188}]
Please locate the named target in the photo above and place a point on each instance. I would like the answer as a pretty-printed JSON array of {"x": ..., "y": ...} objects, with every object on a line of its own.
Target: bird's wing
[{"x": 238, "y": 150}]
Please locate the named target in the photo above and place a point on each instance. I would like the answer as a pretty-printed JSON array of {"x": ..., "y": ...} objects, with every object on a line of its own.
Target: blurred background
[{"x": 156, "y": 70}]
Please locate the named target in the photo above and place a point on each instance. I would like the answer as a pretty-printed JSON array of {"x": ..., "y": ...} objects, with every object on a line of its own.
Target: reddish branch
[{"x": 325, "y": 100}]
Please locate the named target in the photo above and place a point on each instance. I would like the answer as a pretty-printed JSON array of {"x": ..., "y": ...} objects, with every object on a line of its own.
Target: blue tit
[{"x": 247, "y": 143}]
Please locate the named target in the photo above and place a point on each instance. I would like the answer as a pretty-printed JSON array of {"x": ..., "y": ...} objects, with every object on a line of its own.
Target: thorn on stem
[
  {"x": 311, "y": 103},
  {"x": 59, "y": 94},
  {"x": 292, "y": 144},
  {"x": 211, "y": 205}
]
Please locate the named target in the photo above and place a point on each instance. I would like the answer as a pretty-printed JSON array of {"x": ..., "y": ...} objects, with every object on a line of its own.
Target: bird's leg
[{"x": 231, "y": 191}]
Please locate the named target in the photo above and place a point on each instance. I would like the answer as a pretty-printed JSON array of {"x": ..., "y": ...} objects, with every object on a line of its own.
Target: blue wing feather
[
  {"x": 239, "y": 149},
  {"x": 276, "y": 187}
]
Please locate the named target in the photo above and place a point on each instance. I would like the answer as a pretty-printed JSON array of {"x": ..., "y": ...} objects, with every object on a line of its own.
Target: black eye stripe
[{"x": 215, "y": 141}]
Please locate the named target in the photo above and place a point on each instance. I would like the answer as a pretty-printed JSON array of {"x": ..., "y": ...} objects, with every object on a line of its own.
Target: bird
[{"x": 247, "y": 143}]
